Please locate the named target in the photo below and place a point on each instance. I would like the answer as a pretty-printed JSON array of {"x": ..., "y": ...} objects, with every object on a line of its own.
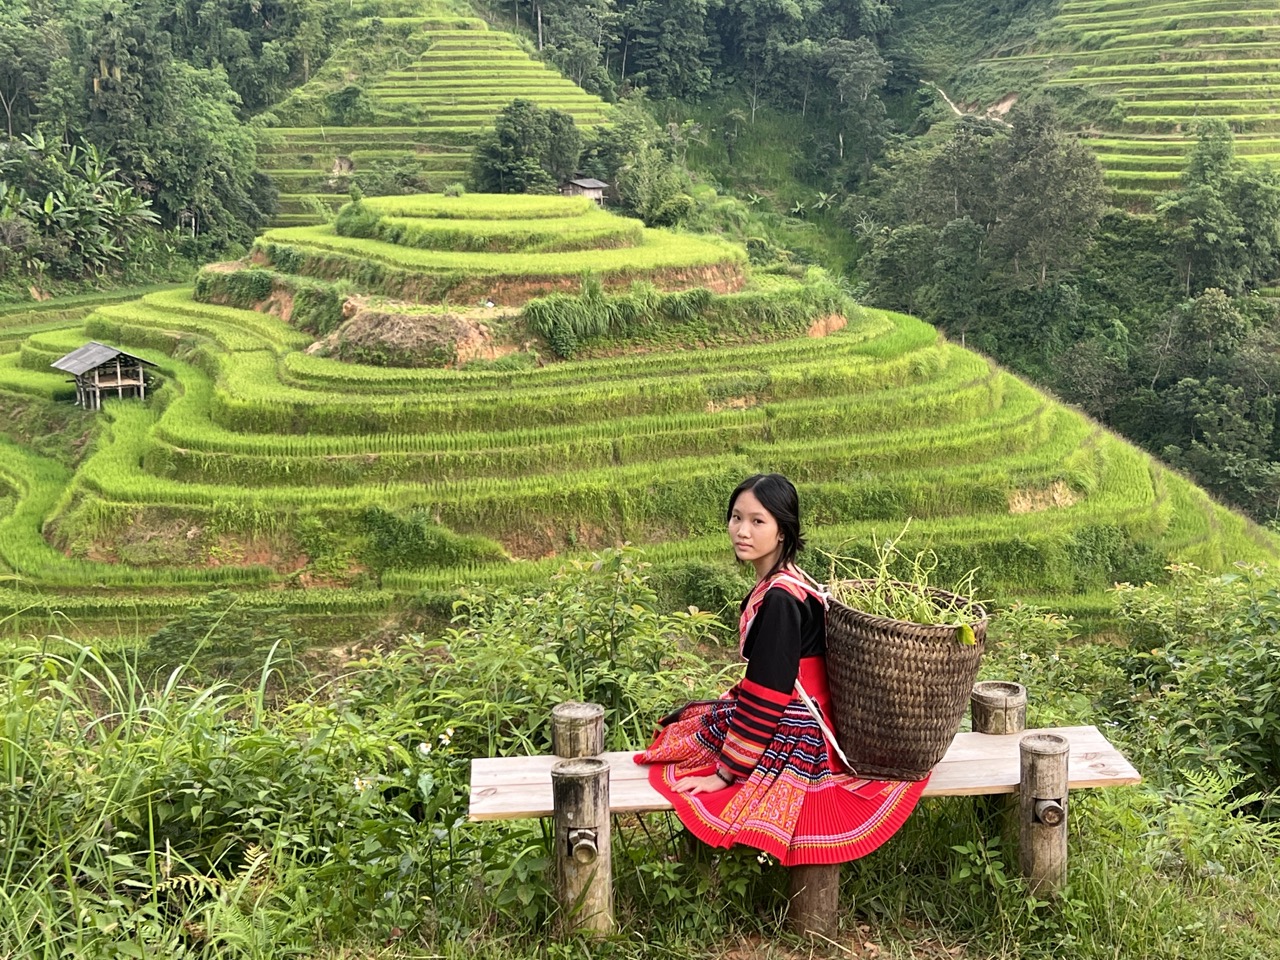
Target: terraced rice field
[
  {"x": 264, "y": 453},
  {"x": 1162, "y": 65},
  {"x": 425, "y": 115},
  {"x": 499, "y": 248}
]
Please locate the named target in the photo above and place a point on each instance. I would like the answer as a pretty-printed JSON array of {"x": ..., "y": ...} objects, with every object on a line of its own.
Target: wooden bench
[{"x": 977, "y": 764}]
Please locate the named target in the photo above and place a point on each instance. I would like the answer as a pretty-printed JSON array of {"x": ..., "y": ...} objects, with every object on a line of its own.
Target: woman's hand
[{"x": 695, "y": 785}]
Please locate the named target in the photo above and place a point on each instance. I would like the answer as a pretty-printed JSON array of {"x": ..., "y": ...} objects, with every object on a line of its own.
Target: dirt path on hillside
[{"x": 994, "y": 112}]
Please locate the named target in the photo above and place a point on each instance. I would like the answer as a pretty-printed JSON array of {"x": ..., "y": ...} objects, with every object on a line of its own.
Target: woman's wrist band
[{"x": 725, "y": 776}]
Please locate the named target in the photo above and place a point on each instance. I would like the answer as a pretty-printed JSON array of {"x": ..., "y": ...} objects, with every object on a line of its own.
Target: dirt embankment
[{"x": 403, "y": 338}]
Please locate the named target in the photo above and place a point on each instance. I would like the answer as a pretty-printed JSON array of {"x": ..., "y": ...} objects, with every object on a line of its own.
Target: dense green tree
[
  {"x": 163, "y": 88},
  {"x": 24, "y": 64},
  {"x": 64, "y": 211},
  {"x": 614, "y": 145},
  {"x": 349, "y": 106},
  {"x": 577, "y": 36},
  {"x": 531, "y": 150},
  {"x": 901, "y": 265},
  {"x": 173, "y": 129},
  {"x": 1207, "y": 233},
  {"x": 857, "y": 73},
  {"x": 1224, "y": 219},
  {"x": 797, "y": 69},
  {"x": 1207, "y": 331},
  {"x": 1229, "y": 445},
  {"x": 262, "y": 45},
  {"x": 957, "y": 294},
  {"x": 1093, "y": 372},
  {"x": 655, "y": 188},
  {"x": 665, "y": 47},
  {"x": 1050, "y": 191},
  {"x": 981, "y": 216}
]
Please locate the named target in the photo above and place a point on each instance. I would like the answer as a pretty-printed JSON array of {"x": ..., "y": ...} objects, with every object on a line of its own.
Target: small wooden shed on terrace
[
  {"x": 586, "y": 187},
  {"x": 98, "y": 367}
]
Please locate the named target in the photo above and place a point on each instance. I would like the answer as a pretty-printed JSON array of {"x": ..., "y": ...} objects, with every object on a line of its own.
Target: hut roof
[
  {"x": 589, "y": 183},
  {"x": 92, "y": 354}
]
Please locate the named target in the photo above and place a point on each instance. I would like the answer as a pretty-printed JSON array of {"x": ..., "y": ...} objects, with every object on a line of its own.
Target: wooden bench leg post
[
  {"x": 1042, "y": 813},
  {"x": 584, "y": 874},
  {"x": 814, "y": 900},
  {"x": 998, "y": 707},
  {"x": 577, "y": 730}
]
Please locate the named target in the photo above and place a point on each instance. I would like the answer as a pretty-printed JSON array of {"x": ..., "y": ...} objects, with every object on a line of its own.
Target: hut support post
[
  {"x": 1042, "y": 812},
  {"x": 580, "y": 801}
]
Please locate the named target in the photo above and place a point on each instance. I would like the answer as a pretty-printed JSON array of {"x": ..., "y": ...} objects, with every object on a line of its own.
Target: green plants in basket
[{"x": 901, "y": 586}]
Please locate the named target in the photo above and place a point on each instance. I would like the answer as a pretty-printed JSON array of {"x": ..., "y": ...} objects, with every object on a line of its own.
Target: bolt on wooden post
[
  {"x": 1042, "y": 812},
  {"x": 584, "y": 864},
  {"x": 580, "y": 805}
]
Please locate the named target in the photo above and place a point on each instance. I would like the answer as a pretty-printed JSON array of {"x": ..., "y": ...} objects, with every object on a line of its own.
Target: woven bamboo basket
[{"x": 899, "y": 689}]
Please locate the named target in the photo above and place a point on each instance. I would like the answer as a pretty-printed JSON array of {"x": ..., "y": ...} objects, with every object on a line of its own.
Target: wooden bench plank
[{"x": 512, "y": 788}]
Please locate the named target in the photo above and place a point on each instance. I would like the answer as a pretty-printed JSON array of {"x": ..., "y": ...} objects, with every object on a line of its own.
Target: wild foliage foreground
[{"x": 182, "y": 817}]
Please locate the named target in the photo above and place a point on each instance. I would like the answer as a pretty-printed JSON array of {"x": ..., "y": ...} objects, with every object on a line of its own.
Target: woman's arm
[{"x": 773, "y": 652}]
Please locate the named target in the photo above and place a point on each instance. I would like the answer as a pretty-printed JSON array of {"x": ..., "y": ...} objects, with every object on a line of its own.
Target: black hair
[{"x": 778, "y": 495}]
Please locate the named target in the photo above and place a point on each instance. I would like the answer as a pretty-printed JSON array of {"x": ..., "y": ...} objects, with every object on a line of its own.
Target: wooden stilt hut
[
  {"x": 585, "y": 187},
  {"x": 101, "y": 369}
]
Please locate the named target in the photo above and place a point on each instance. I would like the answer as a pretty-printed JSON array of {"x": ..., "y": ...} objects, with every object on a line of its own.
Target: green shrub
[
  {"x": 220, "y": 638},
  {"x": 1205, "y": 657},
  {"x": 416, "y": 540},
  {"x": 243, "y": 289},
  {"x": 317, "y": 306},
  {"x": 355, "y": 219}
]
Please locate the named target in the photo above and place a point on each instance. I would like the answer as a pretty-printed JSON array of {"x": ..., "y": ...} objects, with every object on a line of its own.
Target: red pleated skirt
[{"x": 798, "y": 805}]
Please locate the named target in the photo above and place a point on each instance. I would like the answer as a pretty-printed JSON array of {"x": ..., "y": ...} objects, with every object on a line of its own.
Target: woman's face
[{"x": 754, "y": 532}]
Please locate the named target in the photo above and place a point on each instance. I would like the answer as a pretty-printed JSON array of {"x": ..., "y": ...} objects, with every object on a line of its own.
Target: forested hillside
[{"x": 129, "y": 138}]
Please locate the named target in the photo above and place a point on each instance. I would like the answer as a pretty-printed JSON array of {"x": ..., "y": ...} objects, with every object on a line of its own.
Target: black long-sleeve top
[{"x": 784, "y": 630}]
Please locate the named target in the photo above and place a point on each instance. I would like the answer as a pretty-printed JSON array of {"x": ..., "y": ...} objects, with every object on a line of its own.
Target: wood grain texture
[
  {"x": 577, "y": 730},
  {"x": 813, "y": 895},
  {"x": 584, "y": 864},
  {"x": 512, "y": 788},
  {"x": 1042, "y": 842},
  {"x": 998, "y": 707}
]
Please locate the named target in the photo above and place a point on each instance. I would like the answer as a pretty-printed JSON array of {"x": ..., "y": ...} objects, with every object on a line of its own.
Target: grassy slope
[{"x": 257, "y": 435}]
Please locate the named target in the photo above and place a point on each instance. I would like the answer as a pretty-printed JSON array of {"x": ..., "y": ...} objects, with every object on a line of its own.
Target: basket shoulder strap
[
  {"x": 826, "y": 730},
  {"x": 800, "y": 585}
]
